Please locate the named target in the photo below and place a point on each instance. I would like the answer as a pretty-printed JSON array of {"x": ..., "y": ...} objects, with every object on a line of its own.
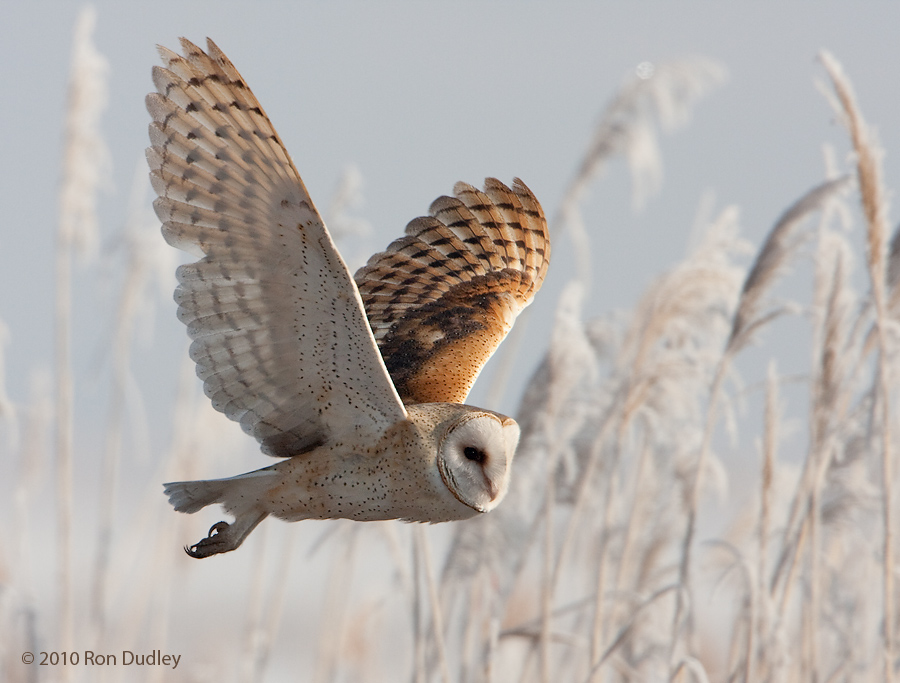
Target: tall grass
[
  {"x": 83, "y": 165},
  {"x": 611, "y": 558}
]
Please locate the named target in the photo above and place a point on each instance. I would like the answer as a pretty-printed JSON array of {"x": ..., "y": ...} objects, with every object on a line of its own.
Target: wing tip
[
  {"x": 188, "y": 48},
  {"x": 520, "y": 188}
]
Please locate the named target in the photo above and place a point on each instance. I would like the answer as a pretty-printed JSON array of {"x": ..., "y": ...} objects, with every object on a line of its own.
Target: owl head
[{"x": 474, "y": 457}]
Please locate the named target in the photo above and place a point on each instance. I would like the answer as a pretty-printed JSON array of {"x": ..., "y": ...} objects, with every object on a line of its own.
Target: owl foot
[{"x": 224, "y": 537}]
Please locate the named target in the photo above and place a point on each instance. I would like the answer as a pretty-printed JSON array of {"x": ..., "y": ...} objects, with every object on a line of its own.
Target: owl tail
[
  {"x": 190, "y": 496},
  {"x": 233, "y": 492}
]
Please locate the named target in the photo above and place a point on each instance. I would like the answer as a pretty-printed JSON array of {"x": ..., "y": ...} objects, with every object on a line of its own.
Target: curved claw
[
  {"x": 217, "y": 528},
  {"x": 215, "y": 542},
  {"x": 224, "y": 537}
]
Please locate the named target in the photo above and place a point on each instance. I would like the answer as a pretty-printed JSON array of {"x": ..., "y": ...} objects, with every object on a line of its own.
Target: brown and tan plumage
[
  {"x": 441, "y": 299},
  {"x": 357, "y": 385}
]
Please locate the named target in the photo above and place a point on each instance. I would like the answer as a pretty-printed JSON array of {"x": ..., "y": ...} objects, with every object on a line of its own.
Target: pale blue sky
[{"x": 419, "y": 95}]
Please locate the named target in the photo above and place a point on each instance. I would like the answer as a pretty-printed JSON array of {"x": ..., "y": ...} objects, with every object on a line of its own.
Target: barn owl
[{"x": 356, "y": 383}]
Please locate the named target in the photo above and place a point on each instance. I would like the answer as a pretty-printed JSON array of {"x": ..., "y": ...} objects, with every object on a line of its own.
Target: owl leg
[{"x": 224, "y": 537}]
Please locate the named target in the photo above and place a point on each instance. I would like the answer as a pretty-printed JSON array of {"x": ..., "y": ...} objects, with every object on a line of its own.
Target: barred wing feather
[{"x": 280, "y": 336}]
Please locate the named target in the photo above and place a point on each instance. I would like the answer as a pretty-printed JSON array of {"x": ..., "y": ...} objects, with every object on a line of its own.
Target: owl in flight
[{"x": 356, "y": 383}]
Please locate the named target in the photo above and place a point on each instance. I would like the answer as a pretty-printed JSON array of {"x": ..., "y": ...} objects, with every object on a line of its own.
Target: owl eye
[{"x": 474, "y": 454}]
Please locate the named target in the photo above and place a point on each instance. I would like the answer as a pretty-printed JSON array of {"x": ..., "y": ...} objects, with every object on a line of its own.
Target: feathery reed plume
[
  {"x": 84, "y": 163},
  {"x": 86, "y": 158},
  {"x": 664, "y": 92},
  {"x": 780, "y": 245},
  {"x": 834, "y": 356},
  {"x": 758, "y": 647},
  {"x": 830, "y": 355},
  {"x": 874, "y": 205},
  {"x": 662, "y": 353},
  {"x": 748, "y": 319}
]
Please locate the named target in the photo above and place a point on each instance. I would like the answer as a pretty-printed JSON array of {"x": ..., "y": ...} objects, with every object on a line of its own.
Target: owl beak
[{"x": 494, "y": 489}]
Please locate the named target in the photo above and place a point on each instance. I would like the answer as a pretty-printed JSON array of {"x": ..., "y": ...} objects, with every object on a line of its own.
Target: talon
[
  {"x": 224, "y": 537},
  {"x": 214, "y": 543},
  {"x": 217, "y": 529}
]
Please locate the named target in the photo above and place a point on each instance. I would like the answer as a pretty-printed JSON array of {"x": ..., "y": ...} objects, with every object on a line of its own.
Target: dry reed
[
  {"x": 84, "y": 159},
  {"x": 604, "y": 563},
  {"x": 874, "y": 205}
]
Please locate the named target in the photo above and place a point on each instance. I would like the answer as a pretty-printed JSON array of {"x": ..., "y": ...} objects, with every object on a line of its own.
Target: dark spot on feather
[{"x": 458, "y": 223}]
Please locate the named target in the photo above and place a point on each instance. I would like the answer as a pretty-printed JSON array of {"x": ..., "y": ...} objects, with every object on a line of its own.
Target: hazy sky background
[{"x": 418, "y": 96}]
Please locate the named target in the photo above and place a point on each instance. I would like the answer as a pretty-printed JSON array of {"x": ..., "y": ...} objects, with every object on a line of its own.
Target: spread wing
[
  {"x": 281, "y": 340},
  {"x": 441, "y": 299}
]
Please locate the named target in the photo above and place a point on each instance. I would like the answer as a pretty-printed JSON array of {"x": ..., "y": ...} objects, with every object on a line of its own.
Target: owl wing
[
  {"x": 279, "y": 331},
  {"x": 441, "y": 299}
]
